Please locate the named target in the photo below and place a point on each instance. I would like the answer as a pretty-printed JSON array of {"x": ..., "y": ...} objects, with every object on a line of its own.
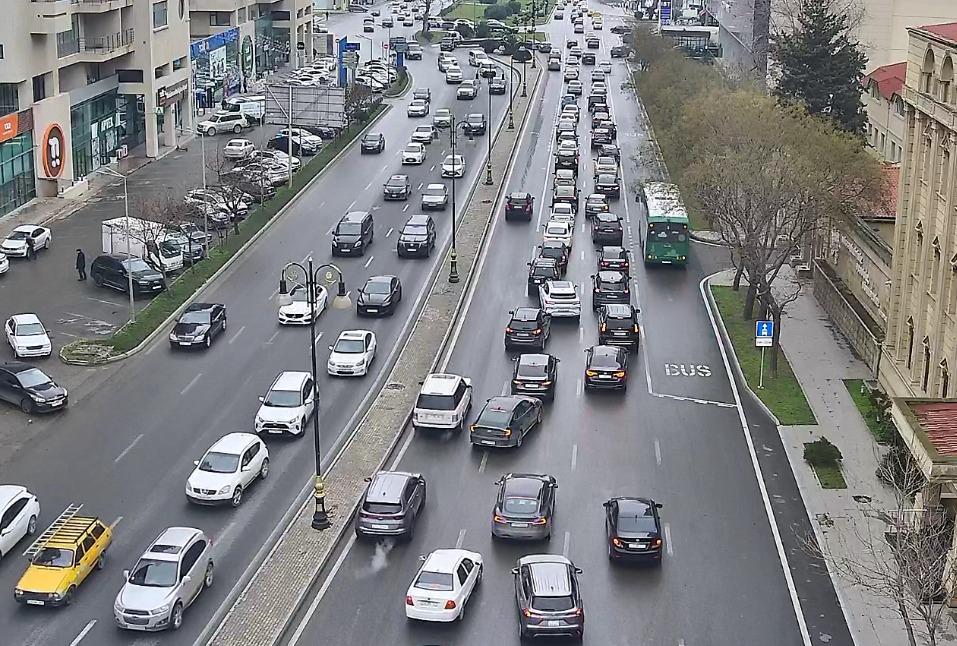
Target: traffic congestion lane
[
  {"x": 151, "y": 449},
  {"x": 692, "y": 457}
]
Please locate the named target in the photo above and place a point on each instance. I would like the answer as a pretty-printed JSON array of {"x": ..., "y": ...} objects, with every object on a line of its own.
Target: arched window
[
  {"x": 925, "y": 377},
  {"x": 927, "y": 72},
  {"x": 946, "y": 78}
]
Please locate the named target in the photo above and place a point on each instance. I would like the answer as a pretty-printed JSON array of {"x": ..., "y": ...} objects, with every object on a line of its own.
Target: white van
[
  {"x": 477, "y": 57},
  {"x": 252, "y": 107}
]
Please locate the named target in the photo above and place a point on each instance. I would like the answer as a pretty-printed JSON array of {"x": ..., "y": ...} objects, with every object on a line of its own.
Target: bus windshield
[{"x": 667, "y": 232}]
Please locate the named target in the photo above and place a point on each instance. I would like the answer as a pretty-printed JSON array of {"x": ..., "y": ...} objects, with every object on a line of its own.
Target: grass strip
[
  {"x": 830, "y": 476},
  {"x": 781, "y": 394},
  {"x": 881, "y": 431}
]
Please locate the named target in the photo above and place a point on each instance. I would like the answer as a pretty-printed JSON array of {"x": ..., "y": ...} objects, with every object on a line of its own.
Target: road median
[{"x": 278, "y": 587}]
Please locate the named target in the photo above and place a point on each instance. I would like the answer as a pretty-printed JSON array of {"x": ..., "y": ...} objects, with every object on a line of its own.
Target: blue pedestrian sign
[{"x": 763, "y": 334}]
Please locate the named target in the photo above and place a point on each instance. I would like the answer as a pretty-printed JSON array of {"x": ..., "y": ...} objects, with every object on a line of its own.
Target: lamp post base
[
  {"x": 511, "y": 123},
  {"x": 454, "y": 269},
  {"x": 524, "y": 91},
  {"x": 320, "y": 520},
  {"x": 488, "y": 174}
]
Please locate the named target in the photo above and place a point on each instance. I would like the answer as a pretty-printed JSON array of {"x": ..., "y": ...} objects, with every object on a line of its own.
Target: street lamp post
[
  {"x": 511, "y": 75},
  {"x": 126, "y": 212},
  {"x": 532, "y": 26},
  {"x": 525, "y": 75},
  {"x": 488, "y": 134},
  {"x": 310, "y": 276},
  {"x": 453, "y": 256}
]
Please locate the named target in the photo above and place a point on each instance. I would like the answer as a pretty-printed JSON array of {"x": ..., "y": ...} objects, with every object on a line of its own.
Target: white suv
[
  {"x": 288, "y": 404},
  {"x": 559, "y": 298},
  {"x": 223, "y": 122},
  {"x": 443, "y": 403},
  {"x": 227, "y": 469}
]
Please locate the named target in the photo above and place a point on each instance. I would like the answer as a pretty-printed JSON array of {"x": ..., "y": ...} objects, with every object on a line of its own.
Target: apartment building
[
  {"x": 84, "y": 82},
  {"x": 882, "y": 93}
]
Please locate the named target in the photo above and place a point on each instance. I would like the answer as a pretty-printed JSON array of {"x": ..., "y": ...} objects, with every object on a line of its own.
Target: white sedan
[
  {"x": 227, "y": 469},
  {"x": 453, "y": 166},
  {"x": 298, "y": 311},
  {"x": 438, "y": 592},
  {"x": 453, "y": 75},
  {"x": 424, "y": 134},
  {"x": 413, "y": 153},
  {"x": 563, "y": 212},
  {"x": 559, "y": 231},
  {"x": 15, "y": 244},
  {"x": 306, "y": 138},
  {"x": 238, "y": 149},
  {"x": 19, "y": 510},
  {"x": 27, "y": 336},
  {"x": 418, "y": 108},
  {"x": 352, "y": 353},
  {"x": 560, "y": 299}
]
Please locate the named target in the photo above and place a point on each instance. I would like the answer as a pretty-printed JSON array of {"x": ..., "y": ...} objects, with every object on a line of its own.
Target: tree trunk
[
  {"x": 736, "y": 285},
  {"x": 748, "y": 314},
  {"x": 908, "y": 626},
  {"x": 776, "y": 339}
]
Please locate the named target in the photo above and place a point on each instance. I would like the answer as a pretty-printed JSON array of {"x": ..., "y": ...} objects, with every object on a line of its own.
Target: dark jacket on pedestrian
[{"x": 80, "y": 259}]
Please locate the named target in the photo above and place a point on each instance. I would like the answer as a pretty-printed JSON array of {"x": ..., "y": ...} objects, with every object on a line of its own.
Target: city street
[
  {"x": 128, "y": 443},
  {"x": 676, "y": 436}
]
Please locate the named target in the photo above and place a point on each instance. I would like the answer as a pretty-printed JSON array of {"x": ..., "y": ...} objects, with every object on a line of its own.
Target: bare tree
[
  {"x": 230, "y": 186},
  {"x": 158, "y": 215},
  {"x": 898, "y": 554}
]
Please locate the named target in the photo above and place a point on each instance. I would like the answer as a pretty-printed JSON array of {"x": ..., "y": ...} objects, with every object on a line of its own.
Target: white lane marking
[
  {"x": 759, "y": 476},
  {"x": 657, "y": 451},
  {"x": 568, "y": 539},
  {"x": 351, "y": 204},
  {"x": 236, "y": 336},
  {"x": 432, "y": 170},
  {"x": 368, "y": 186},
  {"x": 484, "y": 462},
  {"x": 83, "y": 633},
  {"x": 273, "y": 295},
  {"x": 128, "y": 448},
  {"x": 368, "y": 262},
  {"x": 322, "y": 204},
  {"x": 681, "y": 642},
  {"x": 273, "y": 337},
  {"x": 324, "y": 588},
  {"x": 579, "y": 388},
  {"x": 318, "y": 338},
  {"x": 693, "y": 400},
  {"x": 420, "y": 186},
  {"x": 583, "y": 227},
  {"x": 191, "y": 383},
  {"x": 581, "y": 335},
  {"x": 505, "y": 388},
  {"x": 668, "y": 547},
  {"x": 385, "y": 167},
  {"x": 583, "y": 254},
  {"x": 391, "y": 231},
  {"x": 460, "y": 540},
  {"x": 405, "y": 208},
  {"x": 574, "y": 456},
  {"x": 116, "y": 522}
]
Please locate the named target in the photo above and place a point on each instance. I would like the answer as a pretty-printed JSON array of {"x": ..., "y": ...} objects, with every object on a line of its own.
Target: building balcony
[
  {"x": 926, "y": 103},
  {"x": 96, "y": 49},
  {"x": 53, "y": 16},
  {"x": 217, "y": 5}
]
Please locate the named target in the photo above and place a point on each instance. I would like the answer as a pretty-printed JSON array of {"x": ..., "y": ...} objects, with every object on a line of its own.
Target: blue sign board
[
  {"x": 213, "y": 42},
  {"x": 763, "y": 334},
  {"x": 343, "y": 72},
  {"x": 664, "y": 12},
  {"x": 352, "y": 47}
]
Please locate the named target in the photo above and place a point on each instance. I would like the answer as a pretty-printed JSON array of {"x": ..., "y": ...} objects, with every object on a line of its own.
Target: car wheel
[
  {"x": 211, "y": 131},
  {"x": 264, "y": 469},
  {"x": 26, "y": 405},
  {"x": 176, "y": 616},
  {"x": 98, "y": 280},
  {"x": 208, "y": 577},
  {"x": 237, "y": 498},
  {"x": 32, "y": 526},
  {"x": 207, "y": 341},
  {"x": 68, "y": 597},
  {"x": 237, "y": 128}
]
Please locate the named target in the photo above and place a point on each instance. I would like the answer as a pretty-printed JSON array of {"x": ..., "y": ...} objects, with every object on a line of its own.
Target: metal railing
[{"x": 96, "y": 44}]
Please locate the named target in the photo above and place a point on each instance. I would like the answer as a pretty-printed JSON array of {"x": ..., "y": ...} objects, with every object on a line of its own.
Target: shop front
[
  {"x": 17, "y": 177},
  {"x": 216, "y": 67},
  {"x": 272, "y": 46},
  {"x": 103, "y": 128}
]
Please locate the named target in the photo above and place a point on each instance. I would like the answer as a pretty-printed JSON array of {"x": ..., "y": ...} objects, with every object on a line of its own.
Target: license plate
[
  {"x": 637, "y": 546},
  {"x": 553, "y": 623},
  {"x": 523, "y": 335},
  {"x": 57, "y": 403},
  {"x": 621, "y": 333},
  {"x": 532, "y": 386},
  {"x": 34, "y": 602},
  {"x": 372, "y": 309},
  {"x": 488, "y": 442},
  {"x": 155, "y": 287},
  {"x": 604, "y": 377},
  {"x": 275, "y": 431},
  {"x": 519, "y": 524},
  {"x": 378, "y": 526}
]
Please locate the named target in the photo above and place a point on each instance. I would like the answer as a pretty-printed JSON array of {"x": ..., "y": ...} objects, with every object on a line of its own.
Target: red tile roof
[
  {"x": 947, "y": 30},
  {"x": 938, "y": 420},
  {"x": 889, "y": 79}
]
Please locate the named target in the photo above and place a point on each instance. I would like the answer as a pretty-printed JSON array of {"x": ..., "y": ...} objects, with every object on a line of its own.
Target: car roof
[
  {"x": 634, "y": 506},
  {"x": 233, "y": 442},
  {"x": 562, "y": 286},
  {"x": 612, "y": 250},
  {"x": 9, "y": 492},
  {"x": 605, "y": 351},
  {"x": 440, "y": 384},
  {"x": 387, "y": 486},
  {"x": 533, "y": 359},
  {"x": 25, "y": 318},
  {"x": 399, "y": 176},
  {"x": 444, "y": 561},
  {"x": 525, "y": 313},
  {"x": 611, "y": 276},
  {"x": 170, "y": 543},
  {"x": 289, "y": 380},
  {"x": 524, "y": 484},
  {"x": 608, "y": 216},
  {"x": 434, "y": 186},
  {"x": 201, "y": 307},
  {"x": 16, "y": 367},
  {"x": 618, "y": 310},
  {"x": 358, "y": 335},
  {"x": 503, "y": 403},
  {"x": 419, "y": 219},
  {"x": 542, "y": 261},
  {"x": 27, "y": 228},
  {"x": 379, "y": 279}
]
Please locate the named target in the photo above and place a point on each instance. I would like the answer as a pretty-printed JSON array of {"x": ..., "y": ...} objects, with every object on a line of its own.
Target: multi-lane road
[{"x": 125, "y": 447}]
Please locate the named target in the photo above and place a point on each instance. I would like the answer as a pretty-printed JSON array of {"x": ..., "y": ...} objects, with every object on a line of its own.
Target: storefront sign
[
  {"x": 53, "y": 151},
  {"x": 246, "y": 55},
  {"x": 169, "y": 95},
  {"x": 213, "y": 42},
  {"x": 15, "y": 124}
]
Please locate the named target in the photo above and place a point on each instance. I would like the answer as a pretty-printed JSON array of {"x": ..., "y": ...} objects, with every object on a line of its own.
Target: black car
[
  {"x": 380, "y": 295},
  {"x": 397, "y": 188},
  {"x": 535, "y": 375},
  {"x": 595, "y": 203},
  {"x": 540, "y": 270},
  {"x": 621, "y": 29},
  {"x": 390, "y": 505},
  {"x": 588, "y": 58},
  {"x": 323, "y": 132},
  {"x": 417, "y": 237},
  {"x": 593, "y": 43},
  {"x": 197, "y": 325},
  {"x": 606, "y": 367},
  {"x": 292, "y": 147},
  {"x": 387, "y": 22},
  {"x": 600, "y": 137},
  {"x": 372, "y": 142},
  {"x": 519, "y": 205},
  {"x": 606, "y": 230},
  {"x": 475, "y": 124},
  {"x": 505, "y": 421},
  {"x": 258, "y": 188},
  {"x": 545, "y": 47},
  {"x": 618, "y": 325},
  {"x": 115, "y": 270},
  {"x": 30, "y": 388},
  {"x": 619, "y": 51},
  {"x": 497, "y": 85},
  {"x": 548, "y": 597},
  {"x": 556, "y": 251},
  {"x": 525, "y": 506},
  {"x": 633, "y": 529},
  {"x": 610, "y": 150},
  {"x": 353, "y": 234},
  {"x": 566, "y": 158},
  {"x": 610, "y": 287},
  {"x": 529, "y": 327},
  {"x": 615, "y": 258}
]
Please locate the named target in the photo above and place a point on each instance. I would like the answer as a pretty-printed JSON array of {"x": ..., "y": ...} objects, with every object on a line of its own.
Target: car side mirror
[
  {"x": 195, "y": 463},
  {"x": 658, "y": 505},
  {"x": 606, "y": 504},
  {"x": 368, "y": 478},
  {"x": 126, "y": 574},
  {"x": 187, "y": 578},
  {"x": 422, "y": 557},
  {"x": 245, "y": 467},
  {"x": 330, "y": 348},
  {"x": 578, "y": 570},
  {"x": 514, "y": 570}
]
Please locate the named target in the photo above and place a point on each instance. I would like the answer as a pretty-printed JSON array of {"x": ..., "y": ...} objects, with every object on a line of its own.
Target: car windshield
[
  {"x": 520, "y": 505},
  {"x": 397, "y": 182},
  {"x": 553, "y": 604},
  {"x": 612, "y": 286},
  {"x": 457, "y": 159},
  {"x": 29, "y": 329},
  {"x": 434, "y": 192},
  {"x": 154, "y": 574},
  {"x": 604, "y": 361},
  {"x": 376, "y": 287},
  {"x": 437, "y": 581},
  {"x": 371, "y": 138},
  {"x": 415, "y": 230},
  {"x": 299, "y": 295},
  {"x": 215, "y": 462},
  {"x": 553, "y": 252},
  {"x": 349, "y": 346},
  {"x": 435, "y": 402},
  {"x": 32, "y": 378},
  {"x": 17, "y": 235},
  {"x": 282, "y": 398},
  {"x": 200, "y": 317},
  {"x": 136, "y": 265},
  {"x": 543, "y": 270},
  {"x": 53, "y": 557},
  {"x": 523, "y": 325},
  {"x": 619, "y": 323},
  {"x": 349, "y": 228}
]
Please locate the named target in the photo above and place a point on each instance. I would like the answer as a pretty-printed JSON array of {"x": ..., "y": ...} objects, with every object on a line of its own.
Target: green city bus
[{"x": 664, "y": 226}]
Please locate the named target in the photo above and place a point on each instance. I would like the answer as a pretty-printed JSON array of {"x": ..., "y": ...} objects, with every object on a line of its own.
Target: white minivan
[
  {"x": 443, "y": 403},
  {"x": 477, "y": 57},
  {"x": 252, "y": 107}
]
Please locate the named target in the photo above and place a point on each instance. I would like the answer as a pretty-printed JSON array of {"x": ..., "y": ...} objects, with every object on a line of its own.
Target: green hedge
[{"x": 186, "y": 285}]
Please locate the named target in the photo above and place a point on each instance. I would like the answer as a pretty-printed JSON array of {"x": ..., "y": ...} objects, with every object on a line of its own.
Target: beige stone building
[{"x": 882, "y": 94}]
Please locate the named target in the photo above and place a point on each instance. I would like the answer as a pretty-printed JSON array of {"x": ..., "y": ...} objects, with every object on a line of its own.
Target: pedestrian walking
[
  {"x": 30, "y": 250},
  {"x": 80, "y": 264}
]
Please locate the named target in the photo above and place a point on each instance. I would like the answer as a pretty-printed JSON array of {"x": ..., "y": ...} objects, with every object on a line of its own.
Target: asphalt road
[
  {"x": 721, "y": 581},
  {"x": 125, "y": 448}
]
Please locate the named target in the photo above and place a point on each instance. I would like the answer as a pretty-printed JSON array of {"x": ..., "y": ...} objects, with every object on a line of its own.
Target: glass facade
[
  {"x": 100, "y": 126},
  {"x": 216, "y": 67},
  {"x": 17, "y": 179}
]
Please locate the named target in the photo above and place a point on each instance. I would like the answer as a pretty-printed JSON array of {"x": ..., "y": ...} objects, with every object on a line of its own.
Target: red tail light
[
  {"x": 408, "y": 600},
  {"x": 450, "y": 605},
  {"x": 539, "y": 521}
]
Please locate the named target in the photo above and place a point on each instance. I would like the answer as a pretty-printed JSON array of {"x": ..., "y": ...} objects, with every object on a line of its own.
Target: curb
[
  {"x": 226, "y": 265},
  {"x": 714, "y": 243}
]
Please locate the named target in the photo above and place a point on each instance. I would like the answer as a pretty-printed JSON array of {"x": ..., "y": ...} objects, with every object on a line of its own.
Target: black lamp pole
[
  {"x": 488, "y": 134},
  {"x": 453, "y": 257},
  {"x": 532, "y": 26},
  {"x": 511, "y": 73}
]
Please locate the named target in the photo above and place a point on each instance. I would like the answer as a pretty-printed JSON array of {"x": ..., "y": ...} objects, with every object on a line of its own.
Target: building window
[
  {"x": 925, "y": 375},
  {"x": 1, "y": 52},
  {"x": 935, "y": 269},
  {"x": 39, "y": 88},
  {"x": 179, "y": 63},
  {"x": 129, "y": 76},
  {"x": 17, "y": 178},
  {"x": 910, "y": 343},
  {"x": 918, "y": 247},
  {"x": 899, "y": 105},
  {"x": 952, "y": 296},
  {"x": 925, "y": 166},
  {"x": 943, "y": 91},
  {"x": 9, "y": 98},
  {"x": 883, "y": 142},
  {"x": 219, "y": 18},
  {"x": 160, "y": 14},
  {"x": 944, "y": 379},
  {"x": 943, "y": 177},
  {"x": 241, "y": 16}
]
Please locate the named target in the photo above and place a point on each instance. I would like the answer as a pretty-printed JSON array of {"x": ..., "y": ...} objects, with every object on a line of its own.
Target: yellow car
[{"x": 62, "y": 558}]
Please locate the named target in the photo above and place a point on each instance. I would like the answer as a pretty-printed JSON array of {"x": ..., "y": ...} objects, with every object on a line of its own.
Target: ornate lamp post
[{"x": 453, "y": 135}]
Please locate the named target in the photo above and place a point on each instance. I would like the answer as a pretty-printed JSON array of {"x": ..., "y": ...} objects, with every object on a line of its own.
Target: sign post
[{"x": 763, "y": 338}]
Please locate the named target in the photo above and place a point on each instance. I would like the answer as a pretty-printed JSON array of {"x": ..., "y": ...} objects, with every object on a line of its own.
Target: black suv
[
  {"x": 505, "y": 421},
  {"x": 372, "y": 142},
  {"x": 198, "y": 324},
  {"x": 608, "y": 184},
  {"x": 529, "y": 327},
  {"x": 610, "y": 287},
  {"x": 615, "y": 258},
  {"x": 606, "y": 230},
  {"x": 397, "y": 188},
  {"x": 475, "y": 124},
  {"x": 566, "y": 158},
  {"x": 540, "y": 270},
  {"x": 548, "y": 597},
  {"x": 417, "y": 237},
  {"x": 633, "y": 529},
  {"x": 525, "y": 506},
  {"x": 519, "y": 205},
  {"x": 557, "y": 251},
  {"x": 30, "y": 388},
  {"x": 353, "y": 234},
  {"x": 595, "y": 203},
  {"x": 588, "y": 58},
  {"x": 618, "y": 325},
  {"x": 606, "y": 368},
  {"x": 535, "y": 374},
  {"x": 600, "y": 136},
  {"x": 619, "y": 51},
  {"x": 391, "y": 504},
  {"x": 497, "y": 85},
  {"x": 114, "y": 270}
]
